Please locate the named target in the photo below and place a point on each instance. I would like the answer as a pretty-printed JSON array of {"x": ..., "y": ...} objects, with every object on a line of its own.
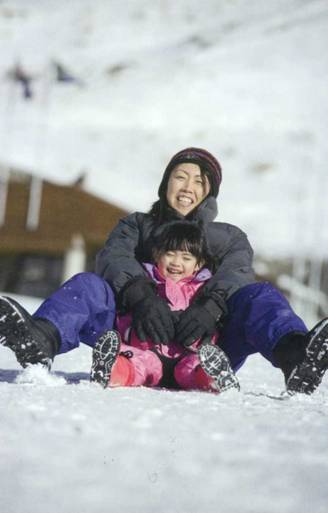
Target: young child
[{"x": 123, "y": 359}]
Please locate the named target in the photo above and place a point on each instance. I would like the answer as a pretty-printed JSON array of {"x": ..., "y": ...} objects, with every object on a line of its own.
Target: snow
[
  {"x": 68, "y": 445},
  {"x": 246, "y": 80}
]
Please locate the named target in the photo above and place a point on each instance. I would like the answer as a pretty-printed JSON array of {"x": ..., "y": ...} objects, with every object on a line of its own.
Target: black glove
[
  {"x": 198, "y": 321},
  {"x": 151, "y": 319},
  {"x": 151, "y": 316}
]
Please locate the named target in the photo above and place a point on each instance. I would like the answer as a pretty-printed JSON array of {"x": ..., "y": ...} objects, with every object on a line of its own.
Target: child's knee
[
  {"x": 147, "y": 367},
  {"x": 184, "y": 371},
  {"x": 123, "y": 374}
]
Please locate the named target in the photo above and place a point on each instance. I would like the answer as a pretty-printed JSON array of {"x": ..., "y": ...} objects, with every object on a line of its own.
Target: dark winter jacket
[{"x": 129, "y": 244}]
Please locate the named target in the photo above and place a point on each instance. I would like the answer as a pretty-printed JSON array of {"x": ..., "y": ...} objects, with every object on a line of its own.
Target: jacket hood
[{"x": 206, "y": 212}]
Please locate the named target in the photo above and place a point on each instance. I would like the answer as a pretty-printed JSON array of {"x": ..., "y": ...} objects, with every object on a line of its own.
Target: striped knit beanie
[{"x": 206, "y": 162}]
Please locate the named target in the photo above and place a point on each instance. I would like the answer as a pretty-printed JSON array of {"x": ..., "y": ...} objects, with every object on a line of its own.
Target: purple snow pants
[
  {"x": 259, "y": 315},
  {"x": 81, "y": 309}
]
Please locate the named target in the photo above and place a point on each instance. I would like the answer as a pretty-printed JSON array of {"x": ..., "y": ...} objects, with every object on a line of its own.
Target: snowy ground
[{"x": 69, "y": 446}]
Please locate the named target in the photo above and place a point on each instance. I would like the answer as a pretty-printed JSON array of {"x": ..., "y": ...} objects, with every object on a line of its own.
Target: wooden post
[
  {"x": 75, "y": 257},
  {"x": 4, "y": 180},
  {"x": 34, "y": 204}
]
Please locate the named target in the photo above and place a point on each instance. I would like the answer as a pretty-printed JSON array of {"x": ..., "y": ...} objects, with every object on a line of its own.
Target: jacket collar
[{"x": 203, "y": 275}]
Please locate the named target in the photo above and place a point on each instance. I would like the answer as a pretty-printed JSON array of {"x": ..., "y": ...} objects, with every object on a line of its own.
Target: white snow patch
[{"x": 39, "y": 375}]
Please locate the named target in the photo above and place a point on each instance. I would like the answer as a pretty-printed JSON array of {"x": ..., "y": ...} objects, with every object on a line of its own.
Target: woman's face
[{"x": 186, "y": 188}]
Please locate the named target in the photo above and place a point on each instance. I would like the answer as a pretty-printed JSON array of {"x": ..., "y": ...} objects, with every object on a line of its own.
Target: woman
[{"x": 254, "y": 317}]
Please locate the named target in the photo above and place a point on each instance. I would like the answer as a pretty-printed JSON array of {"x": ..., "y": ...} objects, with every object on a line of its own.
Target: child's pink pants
[{"x": 142, "y": 367}]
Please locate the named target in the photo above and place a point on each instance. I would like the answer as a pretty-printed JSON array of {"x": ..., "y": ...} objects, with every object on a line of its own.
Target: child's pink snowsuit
[{"x": 147, "y": 367}]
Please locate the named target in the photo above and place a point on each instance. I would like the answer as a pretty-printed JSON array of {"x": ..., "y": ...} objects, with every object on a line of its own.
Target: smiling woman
[
  {"x": 188, "y": 185},
  {"x": 191, "y": 176}
]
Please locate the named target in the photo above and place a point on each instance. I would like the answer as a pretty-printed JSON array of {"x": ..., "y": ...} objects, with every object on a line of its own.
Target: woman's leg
[
  {"x": 259, "y": 316},
  {"x": 81, "y": 309}
]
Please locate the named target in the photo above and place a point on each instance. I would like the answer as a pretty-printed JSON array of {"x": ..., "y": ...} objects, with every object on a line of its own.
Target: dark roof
[{"x": 65, "y": 211}]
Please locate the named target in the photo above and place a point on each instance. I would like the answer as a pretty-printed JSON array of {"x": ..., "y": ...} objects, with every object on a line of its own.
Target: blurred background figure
[
  {"x": 63, "y": 74},
  {"x": 19, "y": 75}
]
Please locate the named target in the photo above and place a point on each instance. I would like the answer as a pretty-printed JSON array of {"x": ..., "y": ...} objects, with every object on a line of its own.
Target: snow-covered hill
[{"x": 247, "y": 80}]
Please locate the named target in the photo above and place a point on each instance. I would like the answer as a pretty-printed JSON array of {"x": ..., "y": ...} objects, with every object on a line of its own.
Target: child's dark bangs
[{"x": 183, "y": 238}]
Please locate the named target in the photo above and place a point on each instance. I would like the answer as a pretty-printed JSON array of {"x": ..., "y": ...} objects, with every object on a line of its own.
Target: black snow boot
[
  {"x": 104, "y": 356},
  {"x": 216, "y": 364},
  {"x": 303, "y": 358},
  {"x": 33, "y": 340}
]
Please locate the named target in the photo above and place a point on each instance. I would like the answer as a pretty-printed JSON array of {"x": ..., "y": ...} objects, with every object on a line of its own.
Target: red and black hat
[{"x": 205, "y": 160}]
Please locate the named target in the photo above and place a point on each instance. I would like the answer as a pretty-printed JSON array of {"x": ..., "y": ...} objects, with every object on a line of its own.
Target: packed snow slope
[
  {"x": 247, "y": 80},
  {"x": 70, "y": 446}
]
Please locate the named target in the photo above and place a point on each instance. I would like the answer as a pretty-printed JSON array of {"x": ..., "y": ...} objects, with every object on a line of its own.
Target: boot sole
[
  {"x": 216, "y": 365},
  {"x": 307, "y": 376},
  {"x": 14, "y": 333},
  {"x": 103, "y": 357}
]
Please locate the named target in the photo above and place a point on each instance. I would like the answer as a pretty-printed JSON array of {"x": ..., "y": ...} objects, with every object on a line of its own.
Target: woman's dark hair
[{"x": 182, "y": 236}]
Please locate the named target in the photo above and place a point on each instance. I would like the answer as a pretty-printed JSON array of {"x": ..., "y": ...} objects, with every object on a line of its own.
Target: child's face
[{"x": 177, "y": 265}]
